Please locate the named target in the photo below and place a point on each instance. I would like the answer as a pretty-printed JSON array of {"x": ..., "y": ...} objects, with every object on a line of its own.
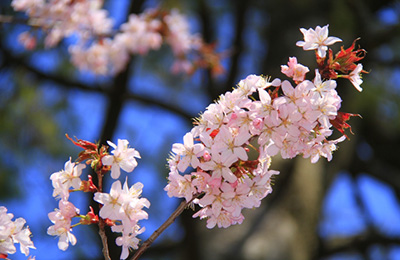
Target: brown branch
[
  {"x": 105, "y": 89},
  {"x": 172, "y": 108},
  {"x": 104, "y": 239},
  {"x": 178, "y": 211}
]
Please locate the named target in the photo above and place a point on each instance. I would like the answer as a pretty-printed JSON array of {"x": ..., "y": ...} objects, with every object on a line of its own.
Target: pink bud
[
  {"x": 206, "y": 156},
  {"x": 257, "y": 123}
]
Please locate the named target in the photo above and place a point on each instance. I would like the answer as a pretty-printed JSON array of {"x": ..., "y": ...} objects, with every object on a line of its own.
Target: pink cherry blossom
[
  {"x": 180, "y": 38},
  {"x": 61, "y": 218},
  {"x": 219, "y": 165},
  {"x": 188, "y": 151},
  {"x": 295, "y": 70},
  {"x": 112, "y": 206},
  {"x": 323, "y": 87},
  {"x": 230, "y": 143},
  {"x": 294, "y": 123},
  {"x": 180, "y": 186}
]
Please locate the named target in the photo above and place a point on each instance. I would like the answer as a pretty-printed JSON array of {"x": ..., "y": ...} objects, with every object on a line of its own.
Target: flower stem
[
  {"x": 103, "y": 236},
  {"x": 146, "y": 244}
]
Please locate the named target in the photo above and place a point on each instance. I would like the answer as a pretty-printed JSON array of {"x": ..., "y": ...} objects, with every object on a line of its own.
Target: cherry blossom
[
  {"x": 189, "y": 152},
  {"x": 65, "y": 18},
  {"x": 12, "y": 232},
  {"x": 103, "y": 51},
  {"x": 180, "y": 186},
  {"x": 67, "y": 178},
  {"x": 223, "y": 164},
  {"x": 317, "y": 40},
  {"x": 122, "y": 158},
  {"x": 296, "y": 122},
  {"x": 294, "y": 70},
  {"x": 180, "y": 38},
  {"x": 124, "y": 204},
  {"x": 355, "y": 77},
  {"x": 128, "y": 240},
  {"x": 61, "y": 218}
]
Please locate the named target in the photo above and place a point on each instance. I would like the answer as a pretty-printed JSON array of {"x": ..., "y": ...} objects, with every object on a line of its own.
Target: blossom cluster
[
  {"x": 223, "y": 163},
  {"x": 125, "y": 206},
  {"x": 12, "y": 232},
  {"x": 121, "y": 208},
  {"x": 103, "y": 51},
  {"x": 61, "y": 19}
]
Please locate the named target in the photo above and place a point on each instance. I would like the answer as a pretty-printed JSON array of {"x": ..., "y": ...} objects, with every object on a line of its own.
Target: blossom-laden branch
[
  {"x": 223, "y": 164},
  {"x": 263, "y": 117},
  {"x": 103, "y": 51},
  {"x": 121, "y": 208}
]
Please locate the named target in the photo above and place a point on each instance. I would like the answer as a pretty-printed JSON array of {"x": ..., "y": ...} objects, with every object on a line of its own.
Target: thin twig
[
  {"x": 102, "y": 231},
  {"x": 103, "y": 236},
  {"x": 146, "y": 244}
]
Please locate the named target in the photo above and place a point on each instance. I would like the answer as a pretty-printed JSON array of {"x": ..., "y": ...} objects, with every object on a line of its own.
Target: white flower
[
  {"x": 317, "y": 40},
  {"x": 123, "y": 157},
  {"x": 355, "y": 77},
  {"x": 126, "y": 206},
  {"x": 128, "y": 239},
  {"x": 67, "y": 178},
  {"x": 123, "y": 203},
  {"x": 22, "y": 236},
  {"x": 111, "y": 206},
  {"x": 188, "y": 152},
  {"x": 323, "y": 87},
  {"x": 12, "y": 232}
]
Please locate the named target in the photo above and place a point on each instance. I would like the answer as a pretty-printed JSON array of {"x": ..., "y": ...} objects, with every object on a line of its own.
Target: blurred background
[{"x": 345, "y": 209}]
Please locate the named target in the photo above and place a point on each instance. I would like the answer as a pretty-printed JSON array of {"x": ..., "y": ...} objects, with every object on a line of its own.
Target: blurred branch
[
  {"x": 375, "y": 33},
  {"x": 241, "y": 10},
  {"x": 207, "y": 35},
  {"x": 19, "y": 62},
  {"x": 68, "y": 83},
  {"x": 116, "y": 103},
  {"x": 357, "y": 244}
]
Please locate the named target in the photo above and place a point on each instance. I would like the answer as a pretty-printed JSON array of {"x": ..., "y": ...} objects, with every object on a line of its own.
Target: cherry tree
[{"x": 224, "y": 163}]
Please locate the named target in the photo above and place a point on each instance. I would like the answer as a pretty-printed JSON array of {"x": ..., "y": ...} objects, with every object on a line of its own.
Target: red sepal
[
  {"x": 90, "y": 218},
  {"x": 109, "y": 222},
  {"x": 340, "y": 122},
  {"x": 86, "y": 145},
  {"x": 345, "y": 59},
  {"x": 88, "y": 186}
]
